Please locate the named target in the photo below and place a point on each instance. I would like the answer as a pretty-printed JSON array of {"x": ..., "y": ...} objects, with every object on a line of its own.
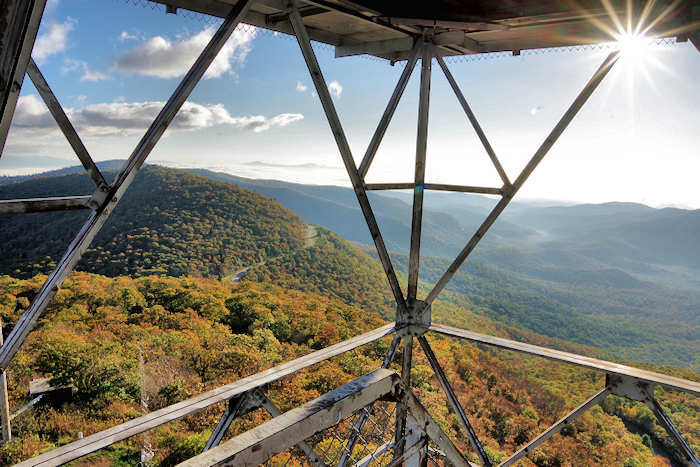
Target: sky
[{"x": 113, "y": 63}]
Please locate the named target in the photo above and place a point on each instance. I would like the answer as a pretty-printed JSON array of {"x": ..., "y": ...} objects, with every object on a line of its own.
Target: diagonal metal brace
[
  {"x": 454, "y": 401},
  {"x": 643, "y": 391},
  {"x": 324, "y": 96},
  {"x": 237, "y": 407},
  {"x": 668, "y": 425},
  {"x": 97, "y": 218},
  {"x": 556, "y": 428},
  {"x": 511, "y": 190},
  {"x": 66, "y": 126}
]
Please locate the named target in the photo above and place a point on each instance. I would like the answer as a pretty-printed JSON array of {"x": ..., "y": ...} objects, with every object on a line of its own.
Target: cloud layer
[
  {"x": 126, "y": 118},
  {"x": 163, "y": 58},
  {"x": 87, "y": 74},
  {"x": 52, "y": 40}
]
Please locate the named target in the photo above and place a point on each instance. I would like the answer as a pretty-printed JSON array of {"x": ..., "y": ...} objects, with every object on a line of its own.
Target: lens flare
[{"x": 633, "y": 46}]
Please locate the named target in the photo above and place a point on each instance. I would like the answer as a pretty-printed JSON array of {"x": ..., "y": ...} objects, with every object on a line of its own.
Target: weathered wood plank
[
  {"x": 264, "y": 441},
  {"x": 195, "y": 404}
]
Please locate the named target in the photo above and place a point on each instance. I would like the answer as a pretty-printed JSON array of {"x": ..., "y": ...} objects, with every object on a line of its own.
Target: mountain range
[{"x": 183, "y": 238}]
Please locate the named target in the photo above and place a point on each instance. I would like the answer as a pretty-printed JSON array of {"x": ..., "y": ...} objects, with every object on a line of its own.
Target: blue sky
[{"x": 112, "y": 63}]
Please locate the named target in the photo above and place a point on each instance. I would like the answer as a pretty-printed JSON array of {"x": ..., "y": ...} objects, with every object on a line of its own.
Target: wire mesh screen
[{"x": 365, "y": 438}]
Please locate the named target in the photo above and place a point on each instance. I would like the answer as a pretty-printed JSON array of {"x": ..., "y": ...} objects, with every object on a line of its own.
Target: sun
[{"x": 633, "y": 46}]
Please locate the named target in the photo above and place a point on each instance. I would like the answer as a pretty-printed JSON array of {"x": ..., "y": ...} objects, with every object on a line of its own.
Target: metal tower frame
[{"x": 413, "y": 427}]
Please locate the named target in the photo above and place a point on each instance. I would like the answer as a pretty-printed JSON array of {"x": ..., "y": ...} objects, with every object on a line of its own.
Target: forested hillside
[
  {"x": 165, "y": 335},
  {"x": 169, "y": 222},
  {"x": 165, "y": 339}
]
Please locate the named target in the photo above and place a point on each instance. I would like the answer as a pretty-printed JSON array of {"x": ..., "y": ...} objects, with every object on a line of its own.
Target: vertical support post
[
  {"x": 415, "y": 435},
  {"x": 402, "y": 406},
  {"x": 21, "y": 19},
  {"x": 421, "y": 146},
  {"x": 4, "y": 403},
  {"x": 510, "y": 193},
  {"x": 97, "y": 218},
  {"x": 454, "y": 401},
  {"x": 344, "y": 149}
]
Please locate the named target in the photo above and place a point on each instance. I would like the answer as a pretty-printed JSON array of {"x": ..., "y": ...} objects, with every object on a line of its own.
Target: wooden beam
[
  {"x": 193, "y": 405},
  {"x": 256, "y": 446}
]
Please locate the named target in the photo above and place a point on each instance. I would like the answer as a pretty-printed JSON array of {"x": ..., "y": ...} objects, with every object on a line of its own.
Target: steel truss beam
[
  {"x": 511, "y": 190},
  {"x": 65, "y": 125},
  {"x": 419, "y": 180},
  {"x": 402, "y": 404},
  {"x": 195, "y": 404},
  {"x": 475, "y": 123},
  {"x": 454, "y": 401},
  {"x": 556, "y": 428},
  {"x": 669, "y": 382},
  {"x": 621, "y": 380},
  {"x": 94, "y": 223},
  {"x": 21, "y": 19},
  {"x": 345, "y": 152},
  {"x": 435, "y": 186},
  {"x": 671, "y": 429},
  {"x": 389, "y": 111},
  {"x": 57, "y": 203},
  {"x": 422, "y": 418}
]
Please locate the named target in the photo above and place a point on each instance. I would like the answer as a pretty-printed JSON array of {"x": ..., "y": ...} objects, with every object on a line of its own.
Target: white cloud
[
  {"x": 71, "y": 65},
  {"x": 53, "y": 40},
  {"x": 125, "y": 36},
  {"x": 301, "y": 87},
  {"x": 127, "y": 118},
  {"x": 335, "y": 88},
  {"x": 163, "y": 58},
  {"x": 259, "y": 123}
]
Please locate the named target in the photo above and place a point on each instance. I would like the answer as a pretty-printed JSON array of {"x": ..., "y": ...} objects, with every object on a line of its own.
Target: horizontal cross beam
[
  {"x": 670, "y": 382},
  {"x": 434, "y": 186},
  {"x": 58, "y": 203}
]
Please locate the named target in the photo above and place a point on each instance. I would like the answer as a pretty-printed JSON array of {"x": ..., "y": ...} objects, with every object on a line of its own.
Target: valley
[{"x": 156, "y": 283}]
